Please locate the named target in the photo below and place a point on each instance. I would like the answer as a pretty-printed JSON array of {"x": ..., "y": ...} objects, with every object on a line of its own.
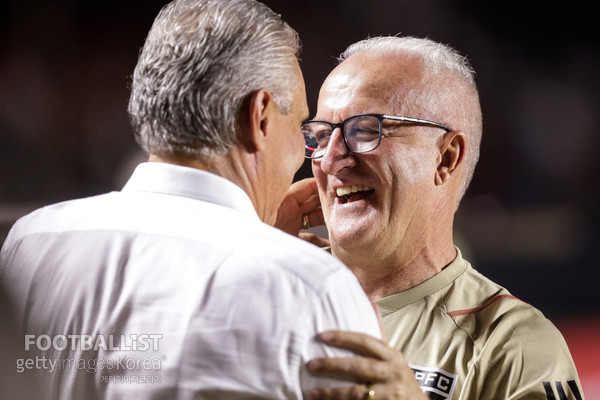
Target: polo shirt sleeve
[{"x": 529, "y": 361}]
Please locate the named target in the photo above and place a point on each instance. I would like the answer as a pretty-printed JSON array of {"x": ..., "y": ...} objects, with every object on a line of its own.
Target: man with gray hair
[
  {"x": 393, "y": 146},
  {"x": 176, "y": 287}
]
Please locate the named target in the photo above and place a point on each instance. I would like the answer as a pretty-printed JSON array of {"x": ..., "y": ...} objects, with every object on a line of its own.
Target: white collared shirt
[{"x": 173, "y": 288}]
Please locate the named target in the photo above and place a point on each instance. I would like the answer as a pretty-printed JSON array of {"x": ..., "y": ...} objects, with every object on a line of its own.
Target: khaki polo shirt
[{"x": 466, "y": 337}]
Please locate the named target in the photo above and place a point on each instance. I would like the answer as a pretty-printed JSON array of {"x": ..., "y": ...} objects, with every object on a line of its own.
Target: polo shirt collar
[{"x": 437, "y": 282}]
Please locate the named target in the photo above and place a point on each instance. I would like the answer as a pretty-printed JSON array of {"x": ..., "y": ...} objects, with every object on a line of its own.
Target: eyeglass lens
[{"x": 361, "y": 133}]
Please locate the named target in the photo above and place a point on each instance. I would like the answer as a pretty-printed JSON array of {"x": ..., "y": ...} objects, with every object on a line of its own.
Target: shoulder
[
  {"x": 488, "y": 311},
  {"x": 525, "y": 353},
  {"x": 55, "y": 217},
  {"x": 187, "y": 229},
  {"x": 513, "y": 342},
  {"x": 277, "y": 252}
]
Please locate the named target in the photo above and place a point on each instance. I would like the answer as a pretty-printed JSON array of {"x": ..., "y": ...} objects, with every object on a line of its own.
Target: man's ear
[
  {"x": 258, "y": 108},
  {"x": 452, "y": 152}
]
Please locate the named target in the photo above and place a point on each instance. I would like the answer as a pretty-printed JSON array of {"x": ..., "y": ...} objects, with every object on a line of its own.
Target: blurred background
[{"x": 530, "y": 219}]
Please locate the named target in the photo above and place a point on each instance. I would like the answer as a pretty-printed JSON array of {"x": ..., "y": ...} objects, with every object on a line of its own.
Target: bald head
[{"x": 428, "y": 80}]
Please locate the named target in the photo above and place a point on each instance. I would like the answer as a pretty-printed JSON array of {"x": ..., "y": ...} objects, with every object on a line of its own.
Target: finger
[
  {"x": 314, "y": 239},
  {"x": 358, "y": 342},
  {"x": 303, "y": 189},
  {"x": 310, "y": 204},
  {"x": 301, "y": 198},
  {"x": 354, "y": 368},
  {"x": 315, "y": 217},
  {"x": 356, "y": 392}
]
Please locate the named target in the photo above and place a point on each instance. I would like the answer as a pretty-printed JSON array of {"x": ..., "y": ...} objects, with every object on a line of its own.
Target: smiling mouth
[{"x": 352, "y": 193}]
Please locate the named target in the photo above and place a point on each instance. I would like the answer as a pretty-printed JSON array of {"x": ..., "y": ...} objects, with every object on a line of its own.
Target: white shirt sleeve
[{"x": 343, "y": 306}]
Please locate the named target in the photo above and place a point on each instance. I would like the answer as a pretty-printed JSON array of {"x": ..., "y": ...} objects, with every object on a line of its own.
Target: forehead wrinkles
[
  {"x": 338, "y": 91},
  {"x": 347, "y": 93},
  {"x": 387, "y": 83}
]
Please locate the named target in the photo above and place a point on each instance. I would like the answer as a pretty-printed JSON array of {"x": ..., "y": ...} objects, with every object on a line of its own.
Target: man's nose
[{"x": 337, "y": 156}]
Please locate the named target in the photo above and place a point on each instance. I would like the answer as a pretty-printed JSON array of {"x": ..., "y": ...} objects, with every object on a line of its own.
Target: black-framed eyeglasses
[{"x": 362, "y": 133}]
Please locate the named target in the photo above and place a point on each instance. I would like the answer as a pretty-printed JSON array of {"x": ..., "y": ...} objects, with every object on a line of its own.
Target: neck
[
  {"x": 424, "y": 250},
  {"x": 382, "y": 272}
]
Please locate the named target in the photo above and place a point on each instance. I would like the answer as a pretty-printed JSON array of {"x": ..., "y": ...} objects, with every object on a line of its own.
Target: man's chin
[{"x": 348, "y": 237}]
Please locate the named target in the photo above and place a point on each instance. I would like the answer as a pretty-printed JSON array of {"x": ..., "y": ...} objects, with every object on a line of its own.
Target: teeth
[{"x": 342, "y": 191}]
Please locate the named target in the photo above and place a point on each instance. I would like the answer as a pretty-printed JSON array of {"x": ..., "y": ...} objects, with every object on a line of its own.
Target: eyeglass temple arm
[{"x": 417, "y": 120}]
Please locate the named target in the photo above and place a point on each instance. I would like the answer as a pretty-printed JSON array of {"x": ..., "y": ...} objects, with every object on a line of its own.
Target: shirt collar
[
  {"x": 442, "y": 279},
  {"x": 177, "y": 180}
]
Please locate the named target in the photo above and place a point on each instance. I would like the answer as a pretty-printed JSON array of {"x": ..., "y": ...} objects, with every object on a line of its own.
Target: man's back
[{"x": 173, "y": 288}]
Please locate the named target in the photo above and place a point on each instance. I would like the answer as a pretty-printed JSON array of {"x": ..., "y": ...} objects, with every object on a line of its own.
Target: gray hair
[
  {"x": 201, "y": 61},
  {"x": 450, "y": 101}
]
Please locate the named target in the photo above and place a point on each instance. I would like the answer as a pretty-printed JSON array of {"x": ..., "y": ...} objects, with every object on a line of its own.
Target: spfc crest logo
[{"x": 436, "y": 383}]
